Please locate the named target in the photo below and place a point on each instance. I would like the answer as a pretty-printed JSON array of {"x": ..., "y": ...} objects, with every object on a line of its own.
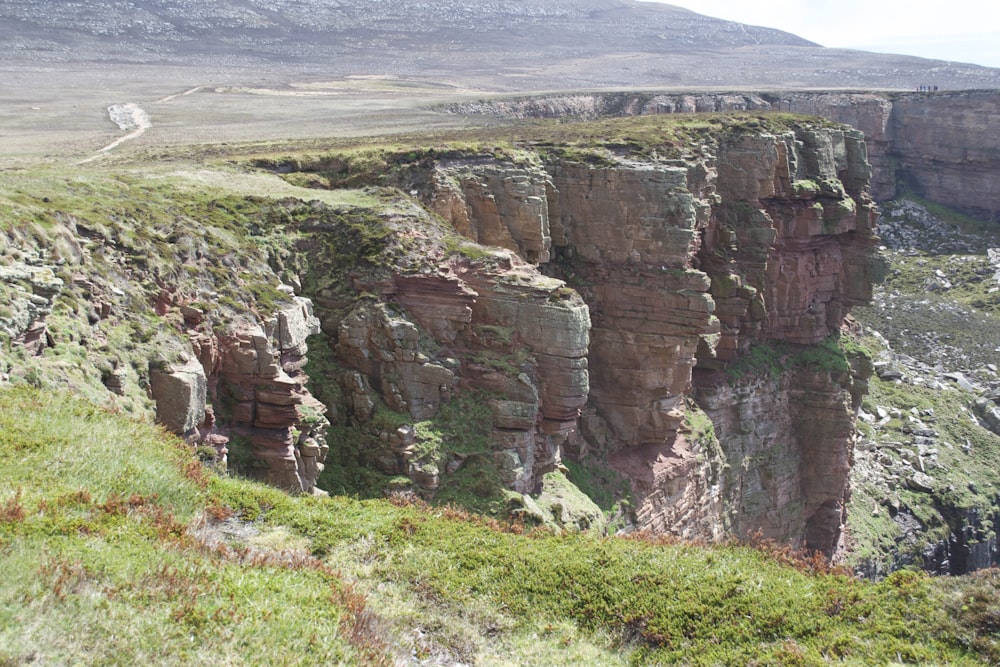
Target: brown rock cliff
[
  {"x": 684, "y": 267},
  {"x": 942, "y": 145}
]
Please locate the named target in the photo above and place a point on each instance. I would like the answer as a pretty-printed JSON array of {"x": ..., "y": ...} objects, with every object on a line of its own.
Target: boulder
[{"x": 180, "y": 392}]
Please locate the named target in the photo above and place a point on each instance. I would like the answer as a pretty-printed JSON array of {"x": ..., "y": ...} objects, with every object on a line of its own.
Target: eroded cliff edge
[
  {"x": 942, "y": 146},
  {"x": 494, "y": 323},
  {"x": 667, "y": 308}
]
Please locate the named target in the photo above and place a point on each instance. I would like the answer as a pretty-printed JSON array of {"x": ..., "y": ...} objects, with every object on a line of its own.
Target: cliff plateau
[
  {"x": 942, "y": 146},
  {"x": 754, "y": 244}
]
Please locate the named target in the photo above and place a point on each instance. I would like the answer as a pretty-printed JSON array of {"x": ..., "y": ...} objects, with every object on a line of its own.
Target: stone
[
  {"x": 618, "y": 295},
  {"x": 921, "y": 482},
  {"x": 180, "y": 393},
  {"x": 961, "y": 381},
  {"x": 296, "y": 323},
  {"x": 256, "y": 368}
]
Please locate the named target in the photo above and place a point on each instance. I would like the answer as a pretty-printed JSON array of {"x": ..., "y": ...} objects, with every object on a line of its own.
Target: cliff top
[{"x": 129, "y": 549}]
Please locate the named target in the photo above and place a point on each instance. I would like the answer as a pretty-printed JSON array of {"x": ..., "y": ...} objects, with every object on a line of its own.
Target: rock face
[
  {"x": 245, "y": 385},
  {"x": 497, "y": 328},
  {"x": 685, "y": 267},
  {"x": 29, "y": 290},
  {"x": 943, "y": 145},
  {"x": 948, "y": 147}
]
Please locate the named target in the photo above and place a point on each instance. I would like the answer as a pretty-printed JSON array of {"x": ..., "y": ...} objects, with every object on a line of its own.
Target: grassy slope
[
  {"x": 955, "y": 328},
  {"x": 100, "y": 565}
]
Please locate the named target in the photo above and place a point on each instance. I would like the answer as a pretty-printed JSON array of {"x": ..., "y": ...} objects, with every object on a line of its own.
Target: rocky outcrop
[
  {"x": 495, "y": 327},
  {"x": 180, "y": 392},
  {"x": 598, "y": 292},
  {"x": 942, "y": 145},
  {"x": 788, "y": 438},
  {"x": 869, "y": 112},
  {"x": 496, "y": 206},
  {"x": 598, "y": 105},
  {"x": 948, "y": 149},
  {"x": 29, "y": 289},
  {"x": 244, "y": 386},
  {"x": 685, "y": 266},
  {"x": 783, "y": 253}
]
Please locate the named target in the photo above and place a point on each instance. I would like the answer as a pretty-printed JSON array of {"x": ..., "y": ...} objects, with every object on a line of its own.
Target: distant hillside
[{"x": 524, "y": 45}]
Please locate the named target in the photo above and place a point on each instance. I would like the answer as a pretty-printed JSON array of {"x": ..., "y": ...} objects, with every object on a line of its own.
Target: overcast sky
[{"x": 959, "y": 30}]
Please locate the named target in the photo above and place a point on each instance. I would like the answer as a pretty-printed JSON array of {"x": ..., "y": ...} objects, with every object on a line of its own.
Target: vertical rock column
[
  {"x": 626, "y": 237},
  {"x": 791, "y": 252},
  {"x": 248, "y": 382}
]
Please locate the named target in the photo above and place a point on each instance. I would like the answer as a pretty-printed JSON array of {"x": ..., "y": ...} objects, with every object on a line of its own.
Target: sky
[{"x": 958, "y": 30}]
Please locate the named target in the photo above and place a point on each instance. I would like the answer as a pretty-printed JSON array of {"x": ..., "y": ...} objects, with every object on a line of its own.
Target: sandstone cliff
[
  {"x": 764, "y": 237},
  {"x": 942, "y": 145},
  {"x": 687, "y": 264},
  {"x": 660, "y": 300},
  {"x": 161, "y": 309}
]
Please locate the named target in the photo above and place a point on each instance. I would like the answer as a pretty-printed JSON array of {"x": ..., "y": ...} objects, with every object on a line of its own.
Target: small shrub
[{"x": 12, "y": 511}]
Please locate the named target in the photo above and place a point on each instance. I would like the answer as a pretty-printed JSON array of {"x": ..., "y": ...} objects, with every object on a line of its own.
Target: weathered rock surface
[
  {"x": 949, "y": 149},
  {"x": 30, "y": 288},
  {"x": 943, "y": 145},
  {"x": 683, "y": 266},
  {"x": 250, "y": 374},
  {"x": 498, "y": 327},
  {"x": 496, "y": 206},
  {"x": 180, "y": 392}
]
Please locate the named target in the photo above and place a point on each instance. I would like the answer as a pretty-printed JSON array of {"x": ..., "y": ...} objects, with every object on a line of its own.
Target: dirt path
[
  {"x": 130, "y": 117},
  {"x": 176, "y": 95}
]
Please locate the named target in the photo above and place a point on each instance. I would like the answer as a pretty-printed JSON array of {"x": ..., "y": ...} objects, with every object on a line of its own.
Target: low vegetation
[
  {"x": 936, "y": 342},
  {"x": 107, "y": 555},
  {"x": 117, "y": 548},
  {"x": 402, "y": 160},
  {"x": 772, "y": 357}
]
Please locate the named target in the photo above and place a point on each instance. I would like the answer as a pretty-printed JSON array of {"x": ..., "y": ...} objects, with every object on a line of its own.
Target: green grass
[
  {"x": 101, "y": 570},
  {"x": 100, "y": 566},
  {"x": 771, "y": 357},
  {"x": 382, "y": 161}
]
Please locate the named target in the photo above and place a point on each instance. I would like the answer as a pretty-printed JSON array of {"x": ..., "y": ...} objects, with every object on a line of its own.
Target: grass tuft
[{"x": 164, "y": 570}]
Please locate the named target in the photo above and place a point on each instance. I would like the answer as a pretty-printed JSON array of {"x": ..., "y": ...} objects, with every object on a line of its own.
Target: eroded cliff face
[
  {"x": 97, "y": 301},
  {"x": 685, "y": 265},
  {"x": 664, "y": 307},
  {"x": 253, "y": 378},
  {"x": 948, "y": 147},
  {"x": 942, "y": 145},
  {"x": 497, "y": 328}
]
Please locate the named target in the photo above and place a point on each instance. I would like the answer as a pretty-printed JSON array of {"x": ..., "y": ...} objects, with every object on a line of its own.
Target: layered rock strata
[
  {"x": 495, "y": 327},
  {"x": 246, "y": 383},
  {"x": 943, "y": 145},
  {"x": 684, "y": 267},
  {"x": 29, "y": 289}
]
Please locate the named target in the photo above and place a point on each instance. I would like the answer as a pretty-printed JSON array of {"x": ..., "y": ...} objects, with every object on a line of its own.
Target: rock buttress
[
  {"x": 442, "y": 321},
  {"x": 243, "y": 386},
  {"x": 686, "y": 266},
  {"x": 790, "y": 250},
  {"x": 942, "y": 146}
]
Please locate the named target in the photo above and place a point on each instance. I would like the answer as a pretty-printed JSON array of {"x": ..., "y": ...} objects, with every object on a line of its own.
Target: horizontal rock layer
[
  {"x": 246, "y": 382},
  {"x": 687, "y": 266},
  {"x": 944, "y": 145}
]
